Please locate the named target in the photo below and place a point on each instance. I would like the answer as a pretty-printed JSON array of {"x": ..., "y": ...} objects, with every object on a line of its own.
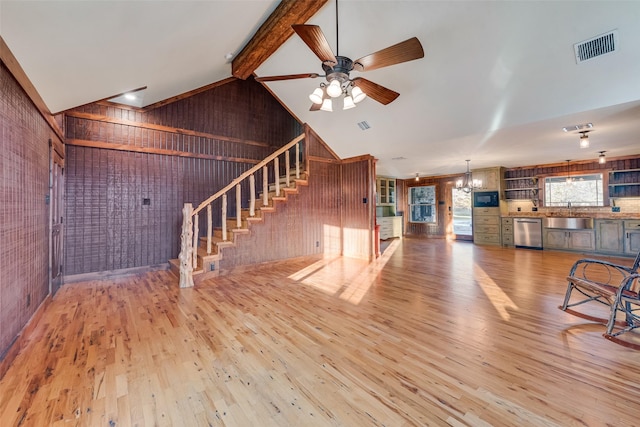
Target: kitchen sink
[{"x": 570, "y": 223}]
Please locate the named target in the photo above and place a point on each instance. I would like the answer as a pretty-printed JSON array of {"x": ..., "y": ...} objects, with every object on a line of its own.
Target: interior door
[{"x": 57, "y": 218}]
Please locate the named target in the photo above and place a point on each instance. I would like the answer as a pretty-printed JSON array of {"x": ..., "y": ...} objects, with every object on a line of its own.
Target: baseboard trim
[
  {"x": 114, "y": 274},
  {"x": 21, "y": 340}
]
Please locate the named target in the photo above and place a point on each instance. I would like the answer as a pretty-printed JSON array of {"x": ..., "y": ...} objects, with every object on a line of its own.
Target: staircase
[
  {"x": 208, "y": 265},
  {"x": 200, "y": 257}
]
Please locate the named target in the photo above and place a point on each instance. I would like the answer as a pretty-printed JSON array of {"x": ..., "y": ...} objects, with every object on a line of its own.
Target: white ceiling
[{"x": 498, "y": 82}]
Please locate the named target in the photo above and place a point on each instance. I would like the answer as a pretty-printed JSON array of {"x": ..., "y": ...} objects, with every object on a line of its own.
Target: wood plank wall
[
  {"x": 108, "y": 226},
  {"x": 24, "y": 213},
  {"x": 326, "y": 217}
]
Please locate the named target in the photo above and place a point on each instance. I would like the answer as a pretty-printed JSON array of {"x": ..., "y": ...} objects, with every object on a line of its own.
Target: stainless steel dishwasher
[{"x": 527, "y": 233}]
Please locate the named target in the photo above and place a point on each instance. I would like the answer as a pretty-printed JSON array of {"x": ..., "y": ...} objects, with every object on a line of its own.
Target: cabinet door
[
  {"x": 391, "y": 186},
  {"x": 632, "y": 242},
  {"x": 383, "y": 192},
  {"x": 609, "y": 236},
  {"x": 555, "y": 239},
  {"x": 582, "y": 240}
]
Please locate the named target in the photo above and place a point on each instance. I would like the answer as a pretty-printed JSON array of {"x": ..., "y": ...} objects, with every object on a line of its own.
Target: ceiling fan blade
[
  {"x": 407, "y": 50},
  {"x": 375, "y": 91},
  {"x": 313, "y": 36},
  {"x": 287, "y": 77}
]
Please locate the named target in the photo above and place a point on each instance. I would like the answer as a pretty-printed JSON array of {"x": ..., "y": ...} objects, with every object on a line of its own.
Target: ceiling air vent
[
  {"x": 363, "y": 125},
  {"x": 597, "y": 46}
]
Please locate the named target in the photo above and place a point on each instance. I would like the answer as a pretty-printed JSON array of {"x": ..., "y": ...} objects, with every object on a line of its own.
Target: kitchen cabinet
[
  {"x": 610, "y": 235},
  {"x": 507, "y": 231},
  {"x": 491, "y": 178},
  {"x": 576, "y": 240},
  {"x": 390, "y": 226},
  {"x": 631, "y": 237},
  {"x": 624, "y": 183},
  {"x": 522, "y": 188},
  {"x": 486, "y": 226},
  {"x": 385, "y": 191}
]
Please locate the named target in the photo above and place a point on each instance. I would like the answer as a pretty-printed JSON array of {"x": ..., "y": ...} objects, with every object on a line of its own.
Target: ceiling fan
[{"x": 337, "y": 69}]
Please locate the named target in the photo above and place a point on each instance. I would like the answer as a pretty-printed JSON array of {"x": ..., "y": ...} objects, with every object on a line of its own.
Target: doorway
[
  {"x": 461, "y": 214},
  {"x": 56, "y": 206}
]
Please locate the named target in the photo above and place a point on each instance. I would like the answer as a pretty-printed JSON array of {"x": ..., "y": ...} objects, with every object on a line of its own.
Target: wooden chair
[
  {"x": 627, "y": 301},
  {"x": 599, "y": 281}
]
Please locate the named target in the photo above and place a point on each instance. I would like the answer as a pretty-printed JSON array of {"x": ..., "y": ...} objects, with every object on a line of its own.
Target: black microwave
[{"x": 486, "y": 199}]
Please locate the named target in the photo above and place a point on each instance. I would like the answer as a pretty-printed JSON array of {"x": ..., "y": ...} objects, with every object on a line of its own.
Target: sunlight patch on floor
[
  {"x": 349, "y": 279},
  {"x": 500, "y": 300}
]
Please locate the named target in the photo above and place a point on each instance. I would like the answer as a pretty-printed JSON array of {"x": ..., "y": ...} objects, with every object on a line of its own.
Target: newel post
[{"x": 186, "y": 248}]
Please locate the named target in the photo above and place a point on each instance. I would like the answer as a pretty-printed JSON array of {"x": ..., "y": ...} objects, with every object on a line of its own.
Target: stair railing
[{"x": 189, "y": 239}]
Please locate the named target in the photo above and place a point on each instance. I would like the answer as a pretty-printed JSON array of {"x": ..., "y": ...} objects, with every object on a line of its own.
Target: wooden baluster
[
  {"x": 209, "y": 228},
  {"x": 298, "y": 160},
  {"x": 265, "y": 186},
  {"x": 196, "y": 232},
  {"x": 287, "y": 165},
  {"x": 252, "y": 196},
  {"x": 276, "y": 169},
  {"x": 186, "y": 265},
  {"x": 224, "y": 217},
  {"x": 238, "y": 206}
]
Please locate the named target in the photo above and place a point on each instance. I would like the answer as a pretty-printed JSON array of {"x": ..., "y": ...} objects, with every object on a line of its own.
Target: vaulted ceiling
[{"x": 498, "y": 81}]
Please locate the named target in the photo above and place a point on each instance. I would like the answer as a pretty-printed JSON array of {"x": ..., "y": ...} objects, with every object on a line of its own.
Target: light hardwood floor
[{"x": 433, "y": 333}]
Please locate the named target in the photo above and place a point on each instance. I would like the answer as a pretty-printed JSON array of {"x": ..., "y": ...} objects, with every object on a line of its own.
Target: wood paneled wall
[
  {"x": 24, "y": 212},
  {"x": 222, "y": 131},
  {"x": 329, "y": 216}
]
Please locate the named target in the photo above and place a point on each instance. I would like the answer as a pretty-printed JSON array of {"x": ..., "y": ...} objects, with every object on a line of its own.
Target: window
[
  {"x": 577, "y": 190},
  {"x": 422, "y": 204}
]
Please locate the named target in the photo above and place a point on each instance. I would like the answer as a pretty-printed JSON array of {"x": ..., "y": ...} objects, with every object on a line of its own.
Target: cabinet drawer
[
  {"x": 484, "y": 228},
  {"x": 486, "y": 238},
  {"x": 486, "y": 211},
  {"x": 630, "y": 225},
  {"x": 507, "y": 221},
  {"x": 507, "y": 229},
  {"x": 486, "y": 220},
  {"x": 507, "y": 240}
]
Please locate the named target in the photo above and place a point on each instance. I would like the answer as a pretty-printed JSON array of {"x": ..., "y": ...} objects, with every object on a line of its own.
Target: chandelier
[{"x": 468, "y": 184}]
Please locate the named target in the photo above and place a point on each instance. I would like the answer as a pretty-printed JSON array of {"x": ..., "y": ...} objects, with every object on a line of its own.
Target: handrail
[{"x": 248, "y": 173}]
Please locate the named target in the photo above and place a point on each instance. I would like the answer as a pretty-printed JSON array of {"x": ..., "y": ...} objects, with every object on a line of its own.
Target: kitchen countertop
[{"x": 575, "y": 214}]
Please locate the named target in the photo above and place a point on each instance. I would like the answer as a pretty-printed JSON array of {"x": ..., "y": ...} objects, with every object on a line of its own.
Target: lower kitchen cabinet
[
  {"x": 631, "y": 237},
  {"x": 486, "y": 226},
  {"x": 507, "y": 231},
  {"x": 610, "y": 235},
  {"x": 577, "y": 240},
  {"x": 390, "y": 226}
]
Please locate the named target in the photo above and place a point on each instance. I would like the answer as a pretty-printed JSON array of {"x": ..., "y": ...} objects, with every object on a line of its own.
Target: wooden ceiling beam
[{"x": 272, "y": 34}]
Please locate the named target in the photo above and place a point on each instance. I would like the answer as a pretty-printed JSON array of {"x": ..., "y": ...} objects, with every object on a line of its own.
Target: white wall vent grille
[{"x": 597, "y": 46}]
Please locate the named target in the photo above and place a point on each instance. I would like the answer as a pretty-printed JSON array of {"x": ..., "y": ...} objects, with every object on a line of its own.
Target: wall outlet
[{"x": 615, "y": 208}]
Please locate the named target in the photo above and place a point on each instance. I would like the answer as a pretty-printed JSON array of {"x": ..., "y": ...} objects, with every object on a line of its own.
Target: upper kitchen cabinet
[
  {"x": 491, "y": 178},
  {"x": 385, "y": 191},
  {"x": 624, "y": 183}
]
